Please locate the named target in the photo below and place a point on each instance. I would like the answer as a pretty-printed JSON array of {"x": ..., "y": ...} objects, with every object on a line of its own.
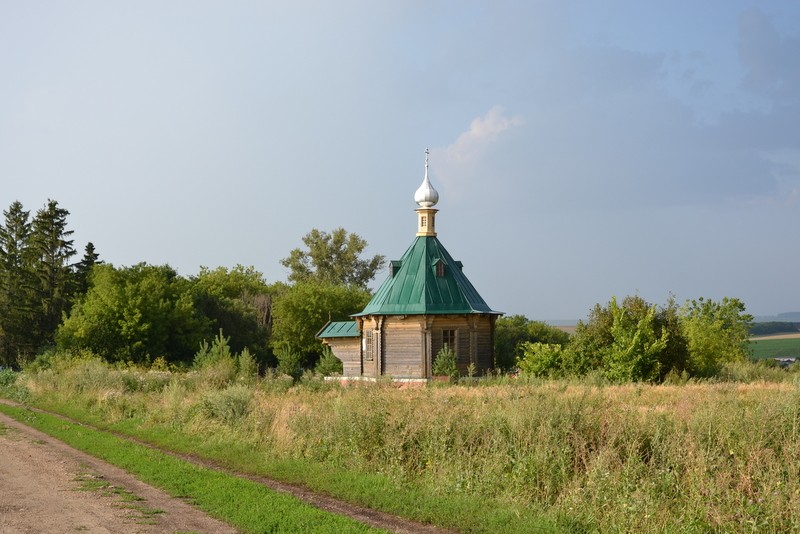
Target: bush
[
  {"x": 445, "y": 364},
  {"x": 7, "y": 377},
  {"x": 541, "y": 359},
  {"x": 301, "y": 310},
  {"x": 228, "y": 405},
  {"x": 218, "y": 351},
  {"x": 762, "y": 370},
  {"x": 513, "y": 331},
  {"x": 716, "y": 333},
  {"x": 290, "y": 361},
  {"x": 635, "y": 353},
  {"x": 329, "y": 364},
  {"x": 247, "y": 366}
]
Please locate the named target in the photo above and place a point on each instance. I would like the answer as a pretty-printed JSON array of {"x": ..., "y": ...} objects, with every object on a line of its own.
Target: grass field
[
  {"x": 503, "y": 455},
  {"x": 781, "y": 346}
]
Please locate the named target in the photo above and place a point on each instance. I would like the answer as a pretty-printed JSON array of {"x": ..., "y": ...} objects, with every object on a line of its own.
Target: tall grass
[{"x": 584, "y": 456}]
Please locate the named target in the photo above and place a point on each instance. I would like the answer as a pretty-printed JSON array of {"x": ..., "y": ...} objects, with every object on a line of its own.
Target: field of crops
[{"x": 784, "y": 346}]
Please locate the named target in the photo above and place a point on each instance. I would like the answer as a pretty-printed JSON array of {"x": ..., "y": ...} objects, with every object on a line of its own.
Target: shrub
[
  {"x": 218, "y": 351},
  {"x": 762, "y": 370},
  {"x": 228, "y": 405},
  {"x": 633, "y": 340},
  {"x": 290, "y": 361},
  {"x": 445, "y": 364},
  {"x": 513, "y": 331},
  {"x": 716, "y": 332},
  {"x": 247, "y": 366},
  {"x": 541, "y": 359},
  {"x": 635, "y": 353},
  {"x": 7, "y": 377},
  {"x": 329, "y": 364}
]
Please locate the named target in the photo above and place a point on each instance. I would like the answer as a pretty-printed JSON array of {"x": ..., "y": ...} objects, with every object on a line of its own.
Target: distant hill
[{"x": 788, "y": 317}]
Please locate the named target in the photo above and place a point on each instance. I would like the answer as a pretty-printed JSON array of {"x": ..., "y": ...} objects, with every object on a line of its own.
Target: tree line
[
  {"x": 144, "y": 312},
  {"x": 632, "y": 340}
]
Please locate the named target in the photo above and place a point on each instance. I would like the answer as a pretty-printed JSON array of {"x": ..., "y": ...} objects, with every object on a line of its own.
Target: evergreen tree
[
  {"x": 83, "y": 269},
  {"x": 51, "y": 249},
  {"x": 16, "y": 285}
]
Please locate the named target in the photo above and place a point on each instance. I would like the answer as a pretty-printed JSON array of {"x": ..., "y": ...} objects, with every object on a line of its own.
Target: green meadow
[
  {"x": 498, "y": 455},
  {"x": 775, "y": 348}
]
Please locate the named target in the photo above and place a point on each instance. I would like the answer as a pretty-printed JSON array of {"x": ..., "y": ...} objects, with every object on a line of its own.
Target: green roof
[
  {"x": 339, "y": 329},
  {"x": 426, "y": 280}
]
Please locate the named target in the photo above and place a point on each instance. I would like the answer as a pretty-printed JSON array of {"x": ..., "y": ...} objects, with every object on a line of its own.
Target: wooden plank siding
[
  {"x": 448, "y": 322},
  {"x": 485, "y": 346},
  {"x": 404, "y": 346},
  {"x": 347, "y": 349},
  {"x": 473, "y": 340},
  {"x": 403, "y": 349},
  {"x": 369, "y": 355}
]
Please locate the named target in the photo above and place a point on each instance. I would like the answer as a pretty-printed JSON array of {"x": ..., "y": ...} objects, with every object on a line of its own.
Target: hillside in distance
[{"x": 787, "y": 317}]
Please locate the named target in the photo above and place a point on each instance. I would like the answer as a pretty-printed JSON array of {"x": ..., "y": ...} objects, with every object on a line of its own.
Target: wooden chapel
[{"x": 426, "y": 303}]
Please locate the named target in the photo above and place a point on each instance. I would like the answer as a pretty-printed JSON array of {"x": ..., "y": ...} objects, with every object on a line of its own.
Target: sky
[{"x": 581, "y": 150}]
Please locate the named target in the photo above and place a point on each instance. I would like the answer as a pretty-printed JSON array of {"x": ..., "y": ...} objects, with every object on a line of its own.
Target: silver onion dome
[{"x": 426, "y": 196}]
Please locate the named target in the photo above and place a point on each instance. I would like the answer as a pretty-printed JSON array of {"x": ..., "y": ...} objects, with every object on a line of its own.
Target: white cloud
[{"x": 458, "y": 161}]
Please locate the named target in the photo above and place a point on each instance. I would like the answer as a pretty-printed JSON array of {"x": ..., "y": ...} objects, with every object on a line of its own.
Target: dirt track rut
[{"x": 57, "y": 466}]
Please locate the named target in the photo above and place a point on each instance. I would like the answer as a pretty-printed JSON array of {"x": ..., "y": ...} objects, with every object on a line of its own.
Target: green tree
[
  {"x": 304, "y": 308},
  {"x": 675, "y": 356},
  {"x": 238, "y": 302},
  {"x": 17, "y": 303},
  {"x": 717, "y": 333},
  {"x": 51, "y": 250},
  {"x": 513, "y": 331},
  {"x": 290, "y": 361},
  {"x": 333, "y": 258},
  {"x": 136, "y": 314},
  {"x": 636, "y": 350},
  {"x": 83, "y": 269},
  {"x": 596, "y": 339},
  {"x": 589, "y": 342}
]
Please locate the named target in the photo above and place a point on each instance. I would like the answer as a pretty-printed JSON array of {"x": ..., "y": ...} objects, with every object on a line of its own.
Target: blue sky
[{"x": 582, "y": 150}]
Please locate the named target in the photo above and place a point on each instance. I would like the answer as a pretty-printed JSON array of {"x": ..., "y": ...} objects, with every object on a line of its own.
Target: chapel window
[
  {"x": 368, "y": 345},
  {"x": 449, "y": 339}
]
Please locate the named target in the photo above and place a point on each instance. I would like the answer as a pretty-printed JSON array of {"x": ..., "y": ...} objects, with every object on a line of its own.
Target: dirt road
[{"x": 46, "y": 486}]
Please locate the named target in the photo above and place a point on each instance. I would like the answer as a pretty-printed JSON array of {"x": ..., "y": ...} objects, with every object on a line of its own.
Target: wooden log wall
[
  {"x": 347, "y": 349},
  {"x": 403, "y": 347},
  {"x": 399, "y": 345}
]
